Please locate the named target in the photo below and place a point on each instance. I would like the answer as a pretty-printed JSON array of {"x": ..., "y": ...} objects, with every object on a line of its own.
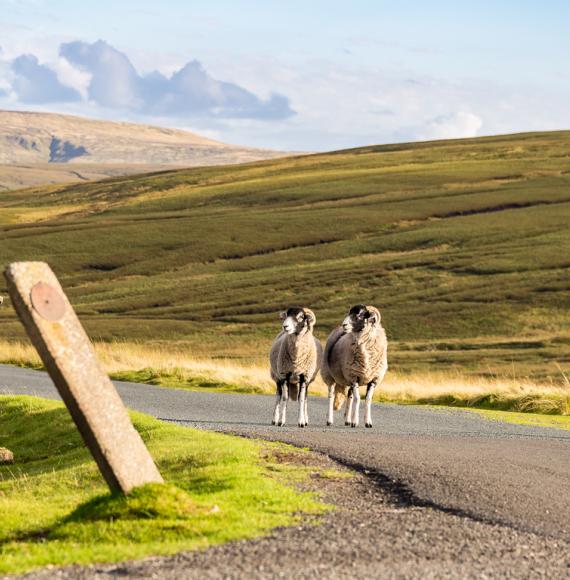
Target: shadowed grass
[
  {"x": 153, "y": 500},
  {"x": 56, "y": 508}
]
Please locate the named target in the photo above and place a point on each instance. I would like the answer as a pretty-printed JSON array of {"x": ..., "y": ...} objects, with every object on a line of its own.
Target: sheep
[
  {"x": 295, "y": 360},
  {"x": 356, "y": 354}
]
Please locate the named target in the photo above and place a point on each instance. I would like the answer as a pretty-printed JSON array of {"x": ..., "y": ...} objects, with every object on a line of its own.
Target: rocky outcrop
[
  {"x": 63, "y": 151},
  {"x": 27, "y": 137},
  {"x": 42, "y": 148}
]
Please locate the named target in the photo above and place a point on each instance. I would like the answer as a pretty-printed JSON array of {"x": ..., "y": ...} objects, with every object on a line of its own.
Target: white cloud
[
  {"x": 452, "y": 126},
  {"x": 38, "y": 83},
  {"x": 336, "y": 105},
  {"x": 72, "y": 77},
  {"x": 101, "y": 75}
]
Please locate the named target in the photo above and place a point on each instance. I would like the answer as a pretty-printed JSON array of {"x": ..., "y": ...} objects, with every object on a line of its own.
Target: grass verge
[
  {"x": 534, "y": 420},
  {"x": 56, "y": 509},
  {"x": 171, "y": 368}
]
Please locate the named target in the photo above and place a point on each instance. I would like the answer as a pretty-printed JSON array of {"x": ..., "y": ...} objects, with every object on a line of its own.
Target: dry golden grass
[
  {"x": 19, "y": 353},
  {"x": 167, "y": 366},
  {"x": 502, "y": 393}
]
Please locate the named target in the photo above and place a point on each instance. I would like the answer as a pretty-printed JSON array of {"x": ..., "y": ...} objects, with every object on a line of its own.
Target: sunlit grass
[
  {"x": 462, "y": 244},
  {"x": 459, "y": 243},
  {"x": 56, "y": 508},
  {"x": 170, "y": 367},
  {"x": 532, "y": 419}
]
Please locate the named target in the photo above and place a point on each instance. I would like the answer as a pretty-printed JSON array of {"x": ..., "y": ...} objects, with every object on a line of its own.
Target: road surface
[{"x": 493, "y": 476}]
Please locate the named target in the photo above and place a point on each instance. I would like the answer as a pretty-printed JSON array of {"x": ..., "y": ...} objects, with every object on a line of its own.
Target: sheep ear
[
  {"x": 310, "y": 315},
  {"x": 375, "y": 316},
  {"x": 283, "y": 315}
]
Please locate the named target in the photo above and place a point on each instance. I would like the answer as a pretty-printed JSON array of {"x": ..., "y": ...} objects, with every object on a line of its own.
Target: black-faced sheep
[
  {"x": 356, "y": 354},
  {"x": 295, "y": 360}
]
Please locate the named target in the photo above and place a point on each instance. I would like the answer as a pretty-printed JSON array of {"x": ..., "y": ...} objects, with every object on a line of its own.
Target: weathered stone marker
[{"x": 70, "y": 359}]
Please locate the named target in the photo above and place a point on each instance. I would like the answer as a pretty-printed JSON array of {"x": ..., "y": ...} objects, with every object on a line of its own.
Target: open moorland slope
[
  {"x": 40, "y": 148},
  {"x": 463, "y": 244}
]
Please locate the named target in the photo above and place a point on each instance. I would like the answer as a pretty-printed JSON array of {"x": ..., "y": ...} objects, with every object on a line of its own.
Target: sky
[{"x": 291, "y": 75}]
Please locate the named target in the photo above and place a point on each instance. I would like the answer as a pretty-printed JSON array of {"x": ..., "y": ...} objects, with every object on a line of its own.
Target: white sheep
[
  {"x": 295, "y": 360},
  {"x": 356, "y": 354}
]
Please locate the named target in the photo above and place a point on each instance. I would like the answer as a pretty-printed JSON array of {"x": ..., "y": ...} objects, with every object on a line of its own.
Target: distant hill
[
  {"x": 38, "y": 148},
  {"x": 464, "y": 245}
]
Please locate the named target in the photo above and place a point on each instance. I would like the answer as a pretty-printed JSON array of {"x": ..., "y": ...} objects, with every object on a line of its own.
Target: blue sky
[{"x": 310, "y": 75}]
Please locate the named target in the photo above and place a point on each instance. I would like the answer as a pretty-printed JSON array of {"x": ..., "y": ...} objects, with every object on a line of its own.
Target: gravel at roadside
[{"x": 373, "y": 533}]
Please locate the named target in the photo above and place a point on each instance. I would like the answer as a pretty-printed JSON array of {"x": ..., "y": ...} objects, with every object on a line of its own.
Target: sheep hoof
[
  {"x": 346, "y": 423},
  {"x": 368, "y": 425},
  {"x": 281, "y": 423},
  {"x": 301, "y": 425},
  {"x": 273, "y": 423},
  {"x": 329, "y": 423}
]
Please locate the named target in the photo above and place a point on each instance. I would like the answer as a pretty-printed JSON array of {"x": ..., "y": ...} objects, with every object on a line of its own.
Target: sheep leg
[
  {"x": 302, "y": 400},
  {"x": 278, "y": 394},
  {"x": 284, "y": 398},
  {"x": 330, "y": 416},
  {"x": 369, "y": 395},
  {"x": 348, "y": 409},
  {"x": 307, "y": 408},
  {"x": 355, "y": 405}
]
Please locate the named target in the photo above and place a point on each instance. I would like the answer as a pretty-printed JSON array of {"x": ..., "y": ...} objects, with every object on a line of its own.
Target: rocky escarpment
[{"x": 31, "y": 142}]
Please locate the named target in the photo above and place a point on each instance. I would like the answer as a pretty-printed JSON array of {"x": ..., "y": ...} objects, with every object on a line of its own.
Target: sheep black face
[
  {"x": 297, "y": 320},
  {"x": 359, "y": 317}
]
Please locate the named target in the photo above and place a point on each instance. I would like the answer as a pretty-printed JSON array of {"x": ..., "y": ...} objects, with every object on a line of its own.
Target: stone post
[{"x": 85, "y": 388}]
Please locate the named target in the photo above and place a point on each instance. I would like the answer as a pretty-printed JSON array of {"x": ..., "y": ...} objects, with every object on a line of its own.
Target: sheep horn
[
  {"x": 311, "y": 316},
  {"x": 375, "y": 312}
]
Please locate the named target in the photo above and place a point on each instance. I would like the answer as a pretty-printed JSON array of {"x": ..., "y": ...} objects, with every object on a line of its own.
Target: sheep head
[
  {"x": 361, "y": 317},
  {"x": 298, "y": 320}
]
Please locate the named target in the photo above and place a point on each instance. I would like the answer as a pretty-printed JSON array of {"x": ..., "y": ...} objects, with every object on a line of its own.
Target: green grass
[
  {"x": 56, "y": 508},
  {"x": 463, "y": 244},
  {"x": 535, "y": 420},
  {"x": 178, "y": 379}
]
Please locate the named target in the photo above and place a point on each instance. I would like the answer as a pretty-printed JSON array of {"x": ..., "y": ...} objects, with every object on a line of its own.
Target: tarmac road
[{"x": 458, "y": 465}]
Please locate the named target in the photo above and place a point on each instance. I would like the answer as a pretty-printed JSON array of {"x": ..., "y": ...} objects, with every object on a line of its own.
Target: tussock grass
[
  {"x": 56, "y": 509},
  {"x": 20, "y": 354},
  {"x": 172, "y": 368},
  {"x": 500, "y": 393}
]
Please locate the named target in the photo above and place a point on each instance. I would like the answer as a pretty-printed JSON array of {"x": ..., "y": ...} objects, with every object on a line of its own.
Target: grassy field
[
  {"x": 464, "y": 245},
  {"x": 56, "y": 508}
]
